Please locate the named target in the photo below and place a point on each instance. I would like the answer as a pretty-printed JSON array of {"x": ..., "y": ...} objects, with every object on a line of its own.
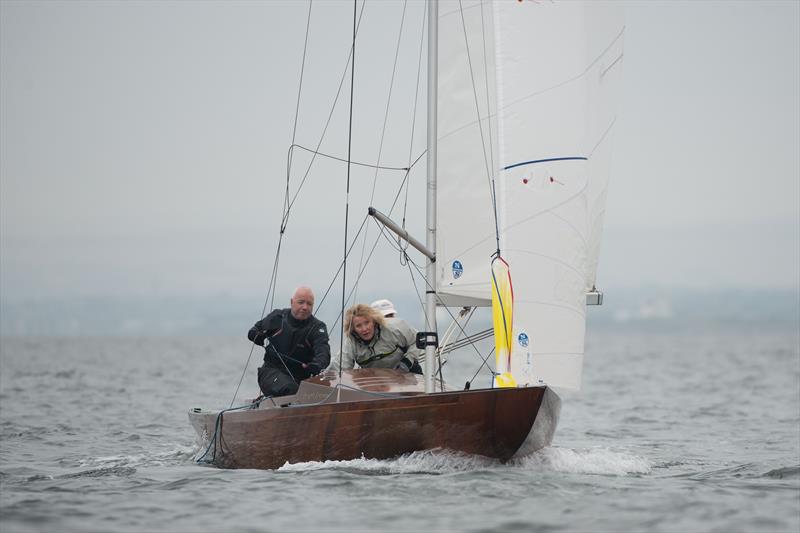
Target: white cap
[{"x": 384, "y": 306}]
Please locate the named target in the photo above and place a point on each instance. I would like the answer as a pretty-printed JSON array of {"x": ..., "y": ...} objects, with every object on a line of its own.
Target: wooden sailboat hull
[{"x": 489, "y": 422}]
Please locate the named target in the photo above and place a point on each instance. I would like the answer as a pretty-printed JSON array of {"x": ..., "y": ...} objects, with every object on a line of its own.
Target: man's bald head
[{"x": 302, "y": 303}]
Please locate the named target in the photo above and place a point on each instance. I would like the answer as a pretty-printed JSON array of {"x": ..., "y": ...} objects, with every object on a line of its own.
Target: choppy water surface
[{"x": 680, "y": 431}]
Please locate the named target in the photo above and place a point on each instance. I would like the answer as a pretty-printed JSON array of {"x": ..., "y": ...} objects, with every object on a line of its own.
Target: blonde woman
[{"x": 373, "y": 342}]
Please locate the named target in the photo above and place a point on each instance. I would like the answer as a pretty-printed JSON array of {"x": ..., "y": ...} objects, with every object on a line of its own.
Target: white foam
[
  {"x": 601, "y": 461},
  {"x": 177, "y": 453},
  {"x": 427, "y": 461},
  {"x": 586, "y": 461}
]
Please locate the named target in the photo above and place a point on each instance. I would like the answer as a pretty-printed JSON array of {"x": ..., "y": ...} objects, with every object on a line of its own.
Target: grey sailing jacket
[{"x": 393, "y": 341}]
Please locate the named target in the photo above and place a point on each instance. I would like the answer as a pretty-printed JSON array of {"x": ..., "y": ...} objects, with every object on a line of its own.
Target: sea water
[{"x": 696, "y": 429}]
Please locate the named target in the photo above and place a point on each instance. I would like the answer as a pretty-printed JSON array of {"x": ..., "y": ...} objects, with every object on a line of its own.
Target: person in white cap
[{"x": 385, "y": 307}]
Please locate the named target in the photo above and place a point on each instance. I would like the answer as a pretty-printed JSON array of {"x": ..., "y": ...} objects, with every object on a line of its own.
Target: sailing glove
[
  {"x": 313, "y": 368},
  {"x": 259, "y": 338},
  {"x": 404, "y": 365},
  {"x": 261, "y": 331}
]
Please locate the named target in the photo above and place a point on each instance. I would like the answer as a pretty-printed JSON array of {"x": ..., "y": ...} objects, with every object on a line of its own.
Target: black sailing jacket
[{"x": 305, "y": 341}]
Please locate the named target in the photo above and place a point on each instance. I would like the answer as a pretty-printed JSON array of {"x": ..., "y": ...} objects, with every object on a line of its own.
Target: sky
[{"x": 143, "y": 146}]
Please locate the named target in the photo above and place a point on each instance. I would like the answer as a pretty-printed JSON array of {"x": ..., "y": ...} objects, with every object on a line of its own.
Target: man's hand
[
  {"x": 260, "y": 337},
  {"x": 313, "y": 368}
]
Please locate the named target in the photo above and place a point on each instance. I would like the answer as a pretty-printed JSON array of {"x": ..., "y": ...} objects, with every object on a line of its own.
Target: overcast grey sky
[{"x": 143, "y": 144}]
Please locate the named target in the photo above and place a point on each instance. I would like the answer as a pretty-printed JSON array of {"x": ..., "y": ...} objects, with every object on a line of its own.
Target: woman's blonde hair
[{"x": 361, "y": 310}]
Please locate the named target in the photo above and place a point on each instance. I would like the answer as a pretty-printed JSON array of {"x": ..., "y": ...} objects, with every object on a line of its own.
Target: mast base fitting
[{"x": 427, "y": 338}]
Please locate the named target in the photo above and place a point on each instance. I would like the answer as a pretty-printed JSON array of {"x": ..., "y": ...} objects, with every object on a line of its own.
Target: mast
[{"x": 430, "y": 237}]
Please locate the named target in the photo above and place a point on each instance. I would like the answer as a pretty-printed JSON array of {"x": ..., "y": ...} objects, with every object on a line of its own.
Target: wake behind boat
[{"x": 520, "y": 121}]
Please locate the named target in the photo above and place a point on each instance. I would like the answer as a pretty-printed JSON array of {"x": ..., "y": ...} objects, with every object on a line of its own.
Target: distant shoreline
[{"x": 213, "y": 315}]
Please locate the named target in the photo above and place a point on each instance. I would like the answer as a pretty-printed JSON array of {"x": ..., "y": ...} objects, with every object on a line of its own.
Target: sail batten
[{"x": 548, "y": 160}]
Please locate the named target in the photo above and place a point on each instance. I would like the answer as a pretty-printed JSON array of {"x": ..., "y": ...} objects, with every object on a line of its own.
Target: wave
[
  {"x": 736, "y": 471},
  {"x": 437, "y": 461},
  {"x": 586, "y": 461},
  {"x": 172, "y": 456},
  {"x": 787, "y": 472},
  {"x": 122, "y": 471}
]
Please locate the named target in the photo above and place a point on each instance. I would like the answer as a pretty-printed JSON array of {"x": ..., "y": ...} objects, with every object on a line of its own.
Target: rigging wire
[
  {"x": 414, "y": 113},
  {"x": 289, "y": 203},
  {"x": 372, "y": 251},
  {"x": 285, "y": 220},
  {"x": 302, "y": 72},
  {"x": 286, "y": 205},
  {"x": 347, "y": 194},
  {"x": 391, "y": 209},
  {"x": 361, "y": 272},
  {"x": 383, "y": 130},
  {"x": 489, "y": 174},
  {"x": 411, "y": 142},
  {"x": 461, "y": 342},
  {"x": 323, "y": 154},
  {"x": 488, "y": 105},
  {"x": 358, "y": 278},
  {"x": 218, "y": 431},
  {"x": 341, "y": 264},
  {"x": 270, "y": 296},
  {"x": 405, "y": 262},
  {"x": 487, "y": 366},
  {"x": 441, "y": 302}
]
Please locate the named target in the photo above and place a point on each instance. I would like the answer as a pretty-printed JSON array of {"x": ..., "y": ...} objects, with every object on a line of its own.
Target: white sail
[
  {"x": 556, "y": 67},
  {"x": 467, "y": 153}
]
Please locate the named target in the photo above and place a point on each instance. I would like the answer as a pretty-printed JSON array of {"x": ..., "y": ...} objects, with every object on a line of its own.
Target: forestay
[{"x": 526, "y": 96}]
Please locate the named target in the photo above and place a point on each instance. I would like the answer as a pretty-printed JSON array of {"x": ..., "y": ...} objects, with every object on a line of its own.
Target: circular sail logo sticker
[
  {"x": 523, "y": 340},
  {"x": 458, "y": 269}
]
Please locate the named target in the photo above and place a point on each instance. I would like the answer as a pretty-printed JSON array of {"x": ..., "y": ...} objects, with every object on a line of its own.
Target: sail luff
[
  {"x": 499, "y": 94},
  {"x": 430, "y": 237}
]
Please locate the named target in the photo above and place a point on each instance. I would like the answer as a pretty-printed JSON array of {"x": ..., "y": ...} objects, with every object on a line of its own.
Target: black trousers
[{"x": 276, "y": 382}]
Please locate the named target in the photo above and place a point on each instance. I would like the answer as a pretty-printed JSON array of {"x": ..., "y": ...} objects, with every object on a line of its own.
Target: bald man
[{"x": 297, "y": 348}]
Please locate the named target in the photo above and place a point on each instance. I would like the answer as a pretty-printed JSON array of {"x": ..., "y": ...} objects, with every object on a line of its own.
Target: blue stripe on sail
[{"x": 545, "y": 161}]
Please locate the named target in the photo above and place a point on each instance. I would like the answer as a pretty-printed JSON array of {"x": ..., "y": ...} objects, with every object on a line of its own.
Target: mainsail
[
  {"x": 526, "y": 98},
  {"x": 467, "y": 153}
]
